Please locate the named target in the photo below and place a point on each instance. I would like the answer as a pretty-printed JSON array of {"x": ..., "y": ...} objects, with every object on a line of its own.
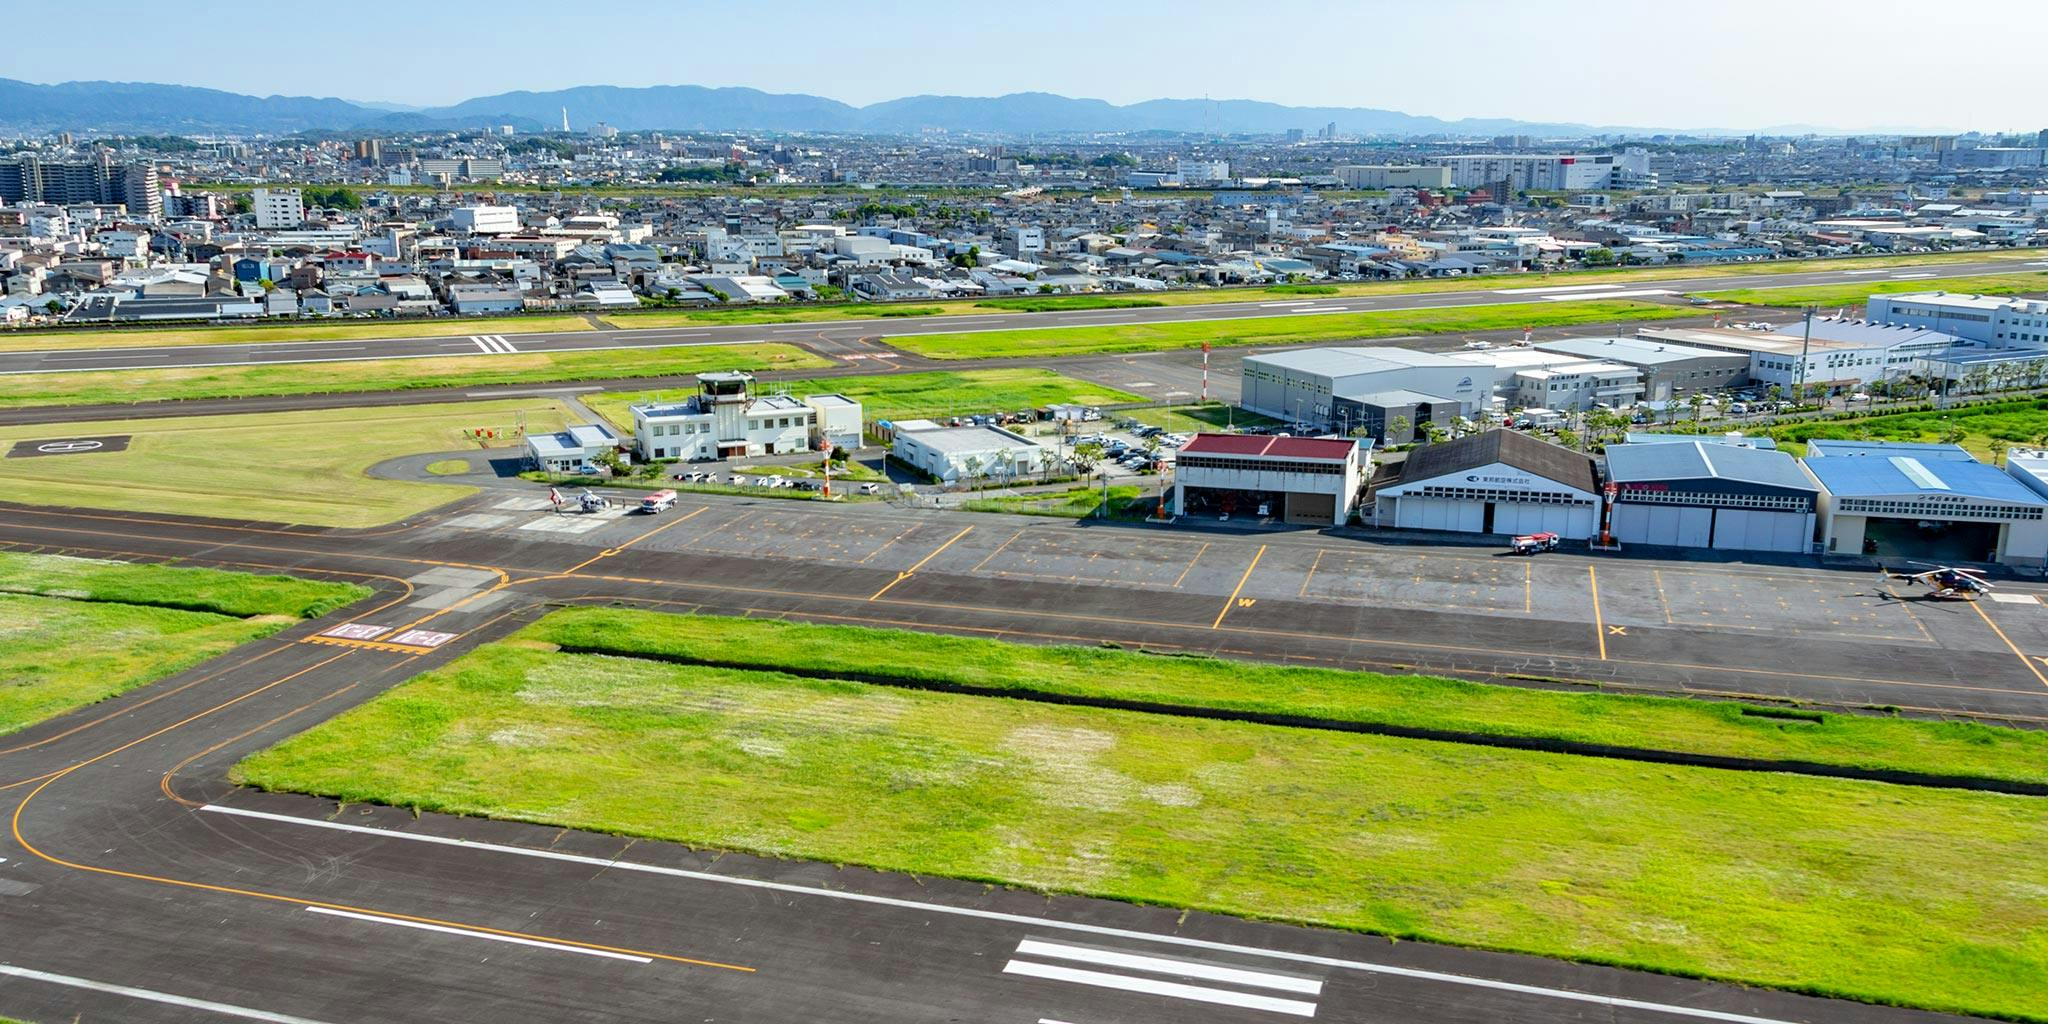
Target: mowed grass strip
[
  {"x": 76, "y": 631},
  {"x": 1410, "y": 701},
  {"x": 104, "y": 387},
  {"x": 167, "y": 586},
  {"x": 899, "y": 396},
  {"x": 1883, "y": 893},
  {"x": 304, "y": 467},
  {"x": 1276, "y": 330},
  {"x": 1855, "y": 293},
  {"x": 350, "y": 330}
]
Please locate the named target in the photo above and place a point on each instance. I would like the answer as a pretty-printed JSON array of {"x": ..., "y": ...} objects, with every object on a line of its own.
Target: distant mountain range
[{"x": 109, "y": 107}]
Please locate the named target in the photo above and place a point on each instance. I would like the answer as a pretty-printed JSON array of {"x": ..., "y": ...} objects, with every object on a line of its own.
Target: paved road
[
  {"x": 136, "y": 880},
  {"x": 858, "y": 339}
]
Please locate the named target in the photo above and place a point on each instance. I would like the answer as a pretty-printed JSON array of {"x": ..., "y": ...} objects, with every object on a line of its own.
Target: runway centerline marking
[
  {"x": 1239, "y": 589},
  {"x": 1040, "y": 923},
  {"x": 905, "y": 574},
  {"x": 472, "y": 934},
  {"x": 147, "y": 995}
]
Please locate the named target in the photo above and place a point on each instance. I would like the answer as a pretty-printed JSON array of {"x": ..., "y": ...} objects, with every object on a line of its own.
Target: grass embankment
[
  {"x": 1855, "y": 293},
  {"x": 1987, "y": 430},
  {"x": 294, "y": 467},
  {"x": 234, "y": 334},
  {"x": 76, "y": 631},
  {"x": 1884, "y": 893},
  {"x": 1279, "y": 330},
  {"x": 1125, "y": 502},
  {"x": 126, "y": 386},
  {"x": 900, "y": 396}
]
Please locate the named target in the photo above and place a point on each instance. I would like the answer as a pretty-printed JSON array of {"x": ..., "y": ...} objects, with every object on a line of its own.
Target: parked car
[{"x": 871, "y": 488}]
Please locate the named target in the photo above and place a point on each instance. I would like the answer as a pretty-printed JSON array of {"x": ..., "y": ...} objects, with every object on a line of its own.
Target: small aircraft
[{"x": 1946, "y": 581}]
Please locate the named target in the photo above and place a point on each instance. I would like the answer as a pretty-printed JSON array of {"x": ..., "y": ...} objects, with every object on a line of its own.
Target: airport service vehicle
[
  {"x": 1530, "y": 544},
  {"x": 658, "y": 502},
  {"x": 1946, "y": 581}
]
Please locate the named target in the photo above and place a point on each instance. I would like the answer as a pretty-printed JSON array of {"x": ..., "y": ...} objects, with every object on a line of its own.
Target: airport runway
[
  {"x": 857, "y": 340},
  {"x": 136, "y": 880}
]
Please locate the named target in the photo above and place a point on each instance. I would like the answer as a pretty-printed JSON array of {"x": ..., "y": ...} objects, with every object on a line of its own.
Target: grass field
[
  {"x": 448, "y": 467},
  {"x": 1884, "y": 893},
  {"x": 900, "y": 396},
  {"x": 1187, "y": 419},
  {"x": 143, "y": 622},
  {"x": 1279, "y": 330},
  {"x": 347, "y": 330},
  {"x": 1853, "y": 295},
  {"x": 1987, "y": 430},
  {"x": 293, "y": 467},
  {"x": 124, "y": 386},
  {"x": 1125, "y": 501}
]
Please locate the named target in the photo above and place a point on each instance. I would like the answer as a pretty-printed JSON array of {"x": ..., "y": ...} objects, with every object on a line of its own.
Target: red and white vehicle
[
  {"x": 1530, "y": 544},
  {"x": 658, "y": 502}
]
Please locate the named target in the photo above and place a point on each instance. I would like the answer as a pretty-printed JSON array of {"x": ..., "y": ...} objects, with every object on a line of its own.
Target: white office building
[
  {"x": 1996, "y": 321},
  {"x": 485, "y": 220},
  {"x": 724, "y": 420},
  {"x": 836, "y": 421},
  {"x": 278, "y": 207},
  {"x": 1393, "y": 176},
  {"x": 1324, "y": 388},
  {"x": 961, "y": 454},
  {"x": 1550, "y": 173},
  {"x": 570, "y": 450}
]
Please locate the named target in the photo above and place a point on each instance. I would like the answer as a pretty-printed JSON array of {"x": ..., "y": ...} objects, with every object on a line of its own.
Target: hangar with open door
[
  {"x": 1925, "y": 502},
  {"x": 1711, "y": 494},
  {"x": 1495, "y": 481},
  {"x": 1306, "y": 481}
]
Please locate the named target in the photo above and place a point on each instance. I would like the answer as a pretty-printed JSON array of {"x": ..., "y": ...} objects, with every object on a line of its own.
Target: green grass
[
  {"x": 1660, "y": 723},
  {"x": 1074, "y": 503},
  {"x": 164, "y": 586},
  {"x": 1884, "y": 893},
  {"x": 1302, "y": 289},
  {"x": 1854, "y": 294},
  {"x": 1187, "y": 419},
  {"x": 236, "y": 334},
  {"x": 124, "y": 386},
  {"x": 294, "y": 467},
  {"x": 1068, "y": 341},
  {"x": 448, "y": 467},
  {"x": 1054, "y": 303},
  {"x": 75, "y": 631},
  {"x": 1987, "y": 429},
  {"x": 900, "y": 396}
]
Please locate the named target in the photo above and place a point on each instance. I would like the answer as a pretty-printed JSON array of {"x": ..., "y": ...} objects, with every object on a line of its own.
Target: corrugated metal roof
[
  {"x": 1271, "y": 447},
  {"x": 1865, "y": 476},
  {"x": 1629, "y": 463}
]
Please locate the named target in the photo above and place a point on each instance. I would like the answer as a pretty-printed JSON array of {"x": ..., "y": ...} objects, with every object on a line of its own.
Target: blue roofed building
[
  {"x": 1931, "y": 502},
  {"x": 1702, "y": 494}
]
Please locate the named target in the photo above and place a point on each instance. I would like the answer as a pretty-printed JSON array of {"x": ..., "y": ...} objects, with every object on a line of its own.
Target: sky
[{"x": 1729, "y": 64}]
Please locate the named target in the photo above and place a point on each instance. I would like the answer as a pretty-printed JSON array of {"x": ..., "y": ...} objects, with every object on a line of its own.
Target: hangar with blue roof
[
  {"x": 1701, "y": 494},
  {"x": 1934, "y": 502}
]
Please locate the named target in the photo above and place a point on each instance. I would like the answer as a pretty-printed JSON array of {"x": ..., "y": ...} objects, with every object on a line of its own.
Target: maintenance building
[
  {"x": 1310, "y": 481},
  {"x": 1494, "y": 481},
  {"x": 1925, "y": 501},
  {"x": 964, "y": 454},
  {"x": 1707, "y": 495}
]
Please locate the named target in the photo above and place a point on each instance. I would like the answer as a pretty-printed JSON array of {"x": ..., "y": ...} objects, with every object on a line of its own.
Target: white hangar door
[
  {"x": 1574, "y": 522},
  {"x": 1751, "y": 530},
  {"x": 1665, "y": 525},
  {"x": 1439, "y": 514}
]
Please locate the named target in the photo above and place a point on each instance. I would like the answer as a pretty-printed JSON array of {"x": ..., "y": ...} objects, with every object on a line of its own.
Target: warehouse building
[
  {"x": 1310, "y": 481},
  {"x": 1705, "y": 495},
  {"x": 1343, "y": 388},
  {"x": 1925, "y": 501},
  {"x": 1495, "y": 481},
  {"x": 1669, "y": 370},
  {"x": 965, "y": 454}
]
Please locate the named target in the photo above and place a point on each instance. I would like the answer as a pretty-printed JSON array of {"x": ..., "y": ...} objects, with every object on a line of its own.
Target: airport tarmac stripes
[
  {"x": 578, "y": 523},
  {"x": 494, "y": 344},
  {"x": 467, "y": 933},
  {"x": 2016, "y": 599},
  {"x": 369, "y": 635},
  {"x": 1169, "y": 977},
  {"x": 149, "y": 996}
]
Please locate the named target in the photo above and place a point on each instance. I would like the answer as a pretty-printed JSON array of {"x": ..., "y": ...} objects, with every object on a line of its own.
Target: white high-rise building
[{"x": 278, "y": 207}]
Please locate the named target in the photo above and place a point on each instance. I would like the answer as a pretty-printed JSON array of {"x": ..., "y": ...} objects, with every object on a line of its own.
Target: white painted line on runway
[
  {"x": 1859, "y": 273},
  {"x": 1297, "y": 302},
  {"x": 146, "y": 995},
  {"x": 2015, "y": 599},
  {"x": 1183, "y": 942},
  {"x": 1163, "y": 965},
  {"x": 1556, "y": 288},
  {"x": 467, "y": 933},
  {"x": 1174, "y": 989},
  {"x": 1611, "y": 295},
  {"x": 792, "y": 330},
  {"x": 1909, "y": 277}
]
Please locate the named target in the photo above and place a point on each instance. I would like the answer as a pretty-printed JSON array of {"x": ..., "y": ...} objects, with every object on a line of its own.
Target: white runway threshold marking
[
  {"x": 1167, "y": 965},
  {"x": 493, "y": 343},
  {"x": 167, "y": 999},
  {"x": 466, "y": 933},
  {"x": 1150, "y": 986},
  {"x": 1040, "y": 923}
]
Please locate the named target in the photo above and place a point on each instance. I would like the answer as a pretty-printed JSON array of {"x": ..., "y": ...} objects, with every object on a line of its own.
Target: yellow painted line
[
  {"x": 905, "y": 574},
  {"x": 1599, "y": 624},
  {"x": 1000, "y": 548},
  {"x": 1182, "y": 578},
  {"x": 1529, "y": 587},
  {"x": 2015, "y": 648},
  {"x": 609, "y": 552},
  {"x": 1234, "y": 591},
  {"x": 1306, "y": 580}
]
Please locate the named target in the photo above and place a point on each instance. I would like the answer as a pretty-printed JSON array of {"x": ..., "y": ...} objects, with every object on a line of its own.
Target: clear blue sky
[{"x": 1739, "y": 64}]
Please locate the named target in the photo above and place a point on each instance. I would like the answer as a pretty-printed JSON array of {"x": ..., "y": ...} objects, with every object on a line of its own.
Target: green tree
[
  {"x": 1598, "y": 257},
  {"x": 1399, "y": 430}
]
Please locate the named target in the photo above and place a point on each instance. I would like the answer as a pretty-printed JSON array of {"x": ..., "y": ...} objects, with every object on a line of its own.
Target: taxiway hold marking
[
  {"x": 466, "y": 933},
  {"x": 146, "y": 995}
]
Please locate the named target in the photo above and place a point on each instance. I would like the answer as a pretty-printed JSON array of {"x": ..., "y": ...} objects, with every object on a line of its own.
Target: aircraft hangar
[
  {"x": 1924, "y": 501},
  {"x": 1705, "y": 494}
]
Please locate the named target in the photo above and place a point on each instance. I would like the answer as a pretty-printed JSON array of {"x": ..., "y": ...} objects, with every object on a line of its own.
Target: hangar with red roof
[{"x": 1309, "y": 481}]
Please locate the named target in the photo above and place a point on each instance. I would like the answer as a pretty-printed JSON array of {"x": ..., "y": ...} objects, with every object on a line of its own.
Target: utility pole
[{"x": 1805, "y": 344}]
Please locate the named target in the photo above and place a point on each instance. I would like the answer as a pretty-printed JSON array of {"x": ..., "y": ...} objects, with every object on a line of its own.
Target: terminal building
[
  {"x": 1310, "y": 481},
  {"x": 723, "y": 420},
  {"x": 1925, "y": 501},
  {"x": 1495, "y": 481},
  {"x": 1711, "y": 495}
]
